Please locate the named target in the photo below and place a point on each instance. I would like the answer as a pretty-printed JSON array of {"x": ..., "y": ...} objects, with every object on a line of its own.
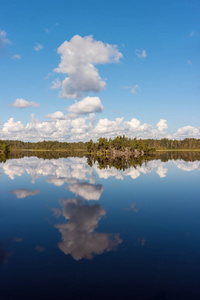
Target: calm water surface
[{"x": 73, "y": 230}]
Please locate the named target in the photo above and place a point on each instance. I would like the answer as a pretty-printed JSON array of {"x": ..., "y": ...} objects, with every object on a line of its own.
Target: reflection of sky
[
  {"x": 78, "y": 236},
  {"x": 75, "y": 213},
  {"x": 74, "y": 170}
]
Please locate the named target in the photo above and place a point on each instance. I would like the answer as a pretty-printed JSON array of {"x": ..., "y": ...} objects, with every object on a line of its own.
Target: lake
[{"x": 95, "y": 228}]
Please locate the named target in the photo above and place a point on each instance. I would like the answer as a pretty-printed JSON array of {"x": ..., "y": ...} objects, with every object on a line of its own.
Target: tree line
[{"x": 103, "y": 144}]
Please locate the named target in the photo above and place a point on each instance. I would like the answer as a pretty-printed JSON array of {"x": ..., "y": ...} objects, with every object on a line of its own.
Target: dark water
[{"x": 75, "y": 228}]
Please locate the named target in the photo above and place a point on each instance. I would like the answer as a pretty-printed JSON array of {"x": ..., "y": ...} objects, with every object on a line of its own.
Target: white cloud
[
  {"x": 79, "y": 238},
  {"x": 38, "y": 47},
  {"x": 141, "y": 54},
  {"x": 87, "y": 190},
  {"x": 193, "y": 33},
  {"x": 56, "y": 84},
  {"x": 187, "y": 132},
  {"x": 48, "y": 30},
  {"x": 72, "y": 127},
  {"x": 11, "y": 127},
  {"x": 57, "y": 171},
  {"x": 162, "y": 125},
  {"x": 21, "y": 103},
  {"x": 16, "y": 56},
  {"x": 107, "y": 127},
  {"x": 187, "y": 166},
  {"x": 162, "y": 171},
  {"x": 78, "y": 57},
  {"x": 86, "y": 106},
  {"x": 135, "y": 89},
  {"x": 23, "y": 193},
  {"x": 56, "y": 115},
  {"x": 3, "y": 39}
]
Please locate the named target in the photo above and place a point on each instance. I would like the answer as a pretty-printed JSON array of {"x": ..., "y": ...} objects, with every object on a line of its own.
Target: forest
[{"x": 103, "y": 144}]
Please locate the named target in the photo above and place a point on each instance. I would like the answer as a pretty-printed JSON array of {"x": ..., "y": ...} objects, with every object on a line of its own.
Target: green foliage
[{"x": 103, "y": 145}]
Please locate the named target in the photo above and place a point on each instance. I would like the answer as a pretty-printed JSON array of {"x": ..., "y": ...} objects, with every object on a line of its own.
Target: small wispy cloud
[
  {"x": 48, "y": 30},
  {"x": 38, "y": 47},
  {"x": 193, "y": 33},
  {"x": 189, "y": 62},
  {"x": 3, "y": 39},
  {"x": 141, "y": 53},
  {"x": 56, "y": 84},
  {"x": 16, "y": 56},
  {"x": 133, "y": 89}
]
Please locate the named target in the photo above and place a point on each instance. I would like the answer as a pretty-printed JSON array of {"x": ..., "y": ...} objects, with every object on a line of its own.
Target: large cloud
[
  {"x": 21, "y": 103},
  {"x": 78, "y": 57},
  {"x": 57, "y": 171},
  {"x": 73, "y": 128},
  {"x": 79, "y": 238},
  {"x": 187, "y": 131},
  {"x": 162, "y": 124},
  {"x": 86, "y": 106}
]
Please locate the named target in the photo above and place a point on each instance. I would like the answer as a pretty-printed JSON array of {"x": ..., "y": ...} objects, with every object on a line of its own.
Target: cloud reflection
[
  {"x": 87, "y": 190},
  {"x": 79, "y": 238},
  {"x": 23, "y": 193}
]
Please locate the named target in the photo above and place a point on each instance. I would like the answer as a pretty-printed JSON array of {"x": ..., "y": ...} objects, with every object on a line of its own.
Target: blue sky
[{"x": 151, "y": 74}]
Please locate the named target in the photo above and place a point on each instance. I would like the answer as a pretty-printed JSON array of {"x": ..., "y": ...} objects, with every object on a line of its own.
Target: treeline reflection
[{"x": 106, "y": 161}]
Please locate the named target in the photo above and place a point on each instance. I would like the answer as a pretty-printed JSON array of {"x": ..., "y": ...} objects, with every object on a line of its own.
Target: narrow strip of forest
[{"x": 117, "y": 146}]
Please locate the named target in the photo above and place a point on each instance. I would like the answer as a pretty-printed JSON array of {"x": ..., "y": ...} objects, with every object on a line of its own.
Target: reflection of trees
[
  {"x": 122, "y": 163},
  {"x": 79, "y": 238},
  {"x": 45, "y": 154},
  {"x": 174, "y": 155}
]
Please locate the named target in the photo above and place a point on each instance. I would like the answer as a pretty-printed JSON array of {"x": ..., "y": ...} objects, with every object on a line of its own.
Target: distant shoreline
[{"x": 82, "y": 150}]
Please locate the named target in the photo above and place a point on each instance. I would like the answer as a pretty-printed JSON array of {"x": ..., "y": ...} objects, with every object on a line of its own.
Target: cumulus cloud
[
  {"x": 3, "y": 39},
  {"x": 78, "y": 59},
  {"x": 16, "y": 56},
  {"x": 57, "y": 171},
  {"x": 86, "y": 106},
  {"x": 38, "y": 47},
  {"x": 79, "y": 238},
  {"x": 86, "y": 190},
  {"x": 11, "y": 127},
  {"x": 56, "y": 115},
  {"x": 56, "y": 84},
  {"x": 72, "y": 128},
  {"x": 21, "y": 103},
  {"x": 188, "y": 165},
  {"x": 23, "y": 193},
  {"x": 141, "y": 53},
  {"x": 162, "y": 125},
  {"x": 162, "y": 171},
  {"x": 187, "y": 132}
]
